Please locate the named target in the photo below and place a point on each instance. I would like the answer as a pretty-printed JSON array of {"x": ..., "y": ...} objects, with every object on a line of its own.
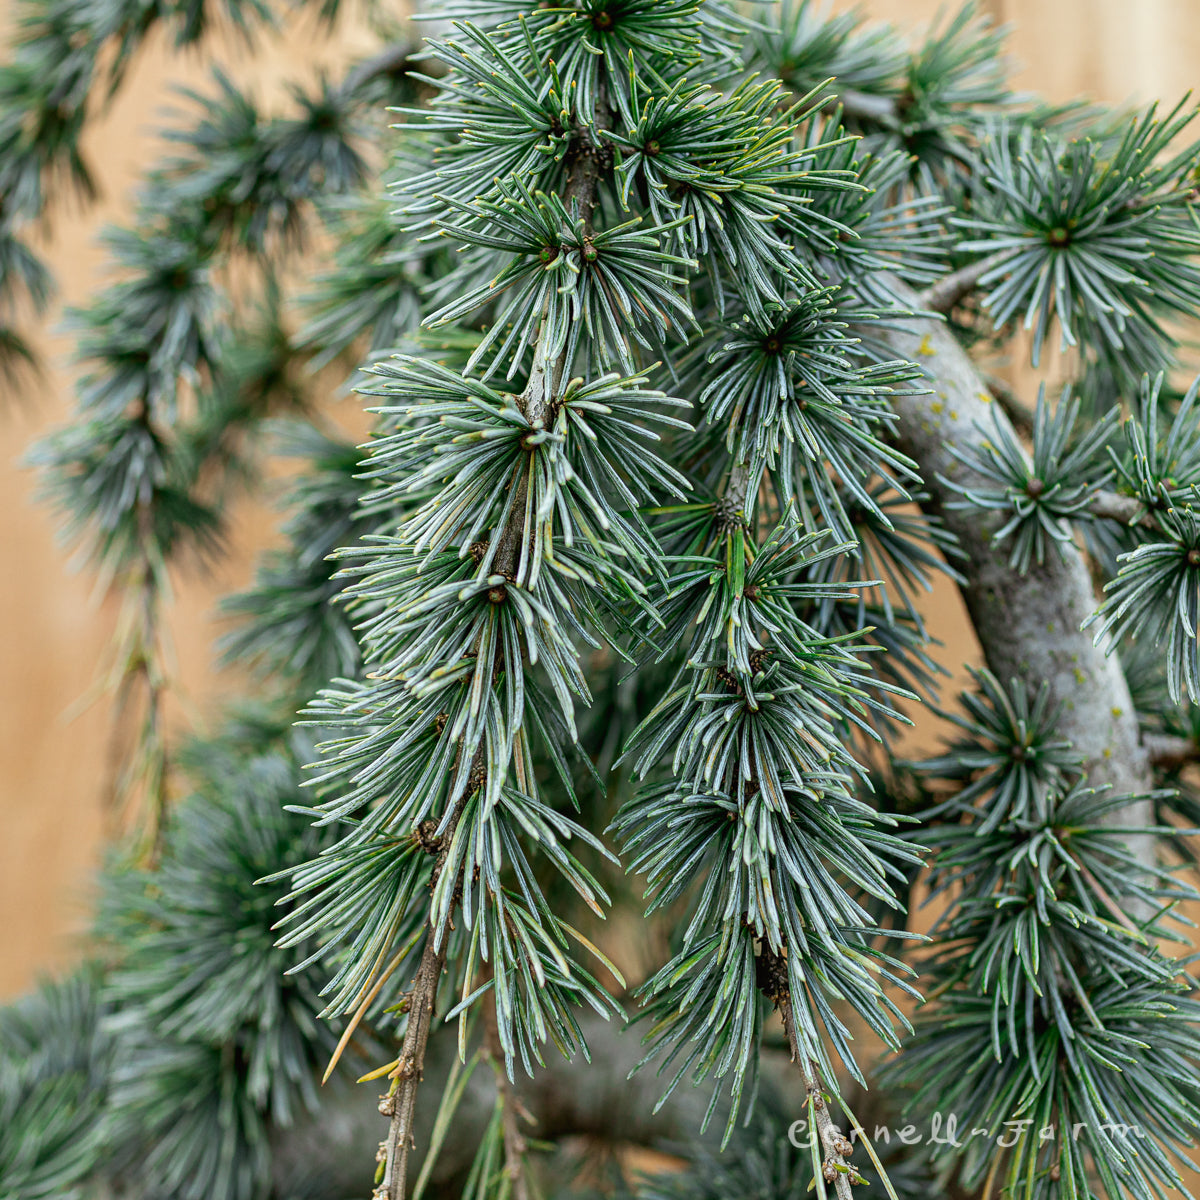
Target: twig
[
  {"x": 862, "y": 106},
  {"x": 731, "y": 507},
  {"x": 400, "y": 1102},
  {"x": 536, "y": 401},
  {"x": 1168, "y": 752},
  {"x": 587, "y": 162},
  {"x": 952, "y": 289},
  {"x": 1128, "y": 510},
  {"x": 836, "y": 1168},
  {"x": 511, "y": 1106}
]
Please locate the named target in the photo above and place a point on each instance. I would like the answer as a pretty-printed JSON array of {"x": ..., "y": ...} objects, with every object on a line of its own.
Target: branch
[
  {"x": 582, "y": 188},
  {"x": 1168, "y": 752},
  {"x": 391, "y": 60},
  {"x": 863, "y": 106},
  {"x": 1015, "y": 409},
  {"x": 535, "y": 402},
  {"x": 138, "y": 763},
  {"x": 731, "y": 507},
  {"x": 513, "y": 1109},
  {"x": 400, "y": 1102},
  {"x": 952, "y": 289},
  {"x": 587, "y": 162},
  {"x": 608, "y": 1105},
  {"x": 1028, "y": 625},
  {"x": 836, "y": 1168},
  {"x": 1112, "y": 506}
]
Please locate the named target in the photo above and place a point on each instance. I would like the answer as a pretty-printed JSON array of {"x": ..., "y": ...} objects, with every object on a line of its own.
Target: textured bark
[
  {"x": 836, "y": 1167},
  {"x": 1028, "y": 625},
  {"x": 400, "y": 1102}
]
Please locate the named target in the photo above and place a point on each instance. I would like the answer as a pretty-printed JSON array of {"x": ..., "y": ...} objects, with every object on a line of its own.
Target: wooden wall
[
  {"x": 52, "y": 631},
  {"x": 1106, "y": 49}
]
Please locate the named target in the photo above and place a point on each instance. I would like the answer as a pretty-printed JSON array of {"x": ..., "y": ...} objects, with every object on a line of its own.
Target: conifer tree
[{"x": 675, "y": 318}]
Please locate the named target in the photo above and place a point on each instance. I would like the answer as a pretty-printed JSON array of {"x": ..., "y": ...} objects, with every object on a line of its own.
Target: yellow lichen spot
[
  {"x": 925, "y": 349},
  {"x": 1049, "y": 626},
  {"x": 1108, "y": 752},
  {"x": 1117, "y": 712},
  {"x": 953, "y": 415},
  {"x": 936, "y": 406},
  {"x": 985, "y": 397},
  {"x": 1080, "y": 677}
]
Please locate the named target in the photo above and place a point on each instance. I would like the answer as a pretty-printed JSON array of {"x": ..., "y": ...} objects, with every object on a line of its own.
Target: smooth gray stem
[
  {"x": 862, "y": 106},
  {"x": 1128, "y": 510},
  {"x": 1028, "y": 625},
  {"x": 951, "y": 289},
  {"x": 391, "y": 60},
  {"x": 1168, "y": 751}
]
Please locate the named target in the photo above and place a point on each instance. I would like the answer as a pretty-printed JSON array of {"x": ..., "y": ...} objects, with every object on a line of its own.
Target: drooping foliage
[{"x": 630, "y": 573}]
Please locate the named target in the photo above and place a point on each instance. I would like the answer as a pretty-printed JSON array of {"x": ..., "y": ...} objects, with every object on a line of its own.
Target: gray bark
[{"x": 1028, "y": 625}]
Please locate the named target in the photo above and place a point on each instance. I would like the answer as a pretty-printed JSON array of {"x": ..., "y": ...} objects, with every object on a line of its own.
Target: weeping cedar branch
[
  {"x": 1028, "y": 625},
  {"x": 836, "y": 1167},
  {"x": 535, "y": 404}
]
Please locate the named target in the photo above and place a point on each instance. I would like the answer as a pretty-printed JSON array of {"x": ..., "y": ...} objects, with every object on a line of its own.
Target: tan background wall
[{"x": 52, "y": 631}]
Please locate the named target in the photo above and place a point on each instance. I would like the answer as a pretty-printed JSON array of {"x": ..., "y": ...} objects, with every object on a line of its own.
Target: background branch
[
  {"x": 514, "y": 1110},
  {"x": 1128, "y": 510},
  {"x": 400, "y": 1102},
  {"x": 1169, "y": 752},
  {"x": 862, "y": 106},
  {"x": 951, "y": 289},
  {"x": 1017, "y": 411},
  {"x": 392, "y": 60}
]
